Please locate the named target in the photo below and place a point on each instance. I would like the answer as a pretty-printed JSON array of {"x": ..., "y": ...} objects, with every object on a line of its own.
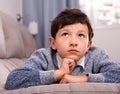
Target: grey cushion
[{"x": 15, "y": 39}]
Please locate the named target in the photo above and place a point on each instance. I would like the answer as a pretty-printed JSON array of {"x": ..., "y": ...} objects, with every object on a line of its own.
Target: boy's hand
[
  {"x": 66, "y": 67},
  {"x": 73, "y": 79}
]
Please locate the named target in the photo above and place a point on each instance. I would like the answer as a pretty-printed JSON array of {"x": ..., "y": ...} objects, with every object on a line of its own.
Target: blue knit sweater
[{"x": 39, "y": 69}]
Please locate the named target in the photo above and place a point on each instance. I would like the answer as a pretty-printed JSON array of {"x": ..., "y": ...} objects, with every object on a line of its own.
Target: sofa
[{"x": 17, "y": 44}]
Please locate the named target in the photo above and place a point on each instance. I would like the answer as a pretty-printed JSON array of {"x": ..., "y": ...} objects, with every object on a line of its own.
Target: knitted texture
[{"x": 39, "y": 69}]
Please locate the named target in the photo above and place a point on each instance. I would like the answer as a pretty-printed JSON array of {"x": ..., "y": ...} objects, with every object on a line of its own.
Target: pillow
[
  {"x": 14, "y": 38},
  {"x": 28, "y": 40},
  {"x": 2, "y": 42}
]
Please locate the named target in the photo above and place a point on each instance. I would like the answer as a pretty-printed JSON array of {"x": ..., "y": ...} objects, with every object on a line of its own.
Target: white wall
[
  {"x": 11, "y": 7},
  {"x": 108, "y": 38}
]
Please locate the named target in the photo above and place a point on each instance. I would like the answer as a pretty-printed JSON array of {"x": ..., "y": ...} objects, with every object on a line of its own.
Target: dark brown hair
[{"x": 70, "y": 16}]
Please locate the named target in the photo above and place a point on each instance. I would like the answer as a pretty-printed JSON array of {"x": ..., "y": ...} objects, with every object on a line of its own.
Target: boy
[{"x": 70, "y": 58}]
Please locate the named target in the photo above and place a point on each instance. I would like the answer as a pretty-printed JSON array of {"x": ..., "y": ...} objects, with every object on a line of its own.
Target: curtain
[{"x": 44, "y": 11}]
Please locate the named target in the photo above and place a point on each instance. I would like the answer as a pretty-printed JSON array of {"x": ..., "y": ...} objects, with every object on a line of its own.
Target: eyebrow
[
  {"x": 66, "y": 29},
  {"x": 82, "y": 31}
]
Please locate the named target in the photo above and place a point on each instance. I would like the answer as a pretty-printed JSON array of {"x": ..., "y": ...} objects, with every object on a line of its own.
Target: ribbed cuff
[{"x": 96, "y": 78}]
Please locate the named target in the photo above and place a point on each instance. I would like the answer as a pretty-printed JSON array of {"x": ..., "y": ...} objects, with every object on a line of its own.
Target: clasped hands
[{"x": 63, "y": 74}]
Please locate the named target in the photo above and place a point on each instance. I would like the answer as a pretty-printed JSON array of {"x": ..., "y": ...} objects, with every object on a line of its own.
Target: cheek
[
  {"x": 87, "y": 45},
  {"x": 84, "y": 45},
  {"x": 61, "y": 43},
  {"x": 61, "y": 46}
]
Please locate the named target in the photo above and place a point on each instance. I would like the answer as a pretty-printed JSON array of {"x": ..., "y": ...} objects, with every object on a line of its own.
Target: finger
[{"x": 63, "y": 81}]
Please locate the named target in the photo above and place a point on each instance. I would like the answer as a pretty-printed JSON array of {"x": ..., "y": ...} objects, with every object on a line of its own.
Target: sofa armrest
[{"x": 6, "y": 66}]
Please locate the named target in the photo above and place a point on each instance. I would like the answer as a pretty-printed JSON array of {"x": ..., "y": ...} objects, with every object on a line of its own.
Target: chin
[{"x": 73, "y": 57}]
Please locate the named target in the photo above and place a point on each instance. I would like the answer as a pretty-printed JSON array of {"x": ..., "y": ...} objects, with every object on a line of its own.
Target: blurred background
[{"x": 38, "y": 14}]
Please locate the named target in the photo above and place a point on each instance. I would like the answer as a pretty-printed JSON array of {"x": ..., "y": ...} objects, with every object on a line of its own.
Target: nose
[{"x": 73, "y": 41}]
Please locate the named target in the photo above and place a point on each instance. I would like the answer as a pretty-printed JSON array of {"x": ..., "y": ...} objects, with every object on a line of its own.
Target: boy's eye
[
  {"x": 65, "y": 34},
  {"x": 81, "y": 35}
]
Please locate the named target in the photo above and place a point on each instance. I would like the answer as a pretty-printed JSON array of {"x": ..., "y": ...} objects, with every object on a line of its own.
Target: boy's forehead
[{"x": 76, "y": 26}]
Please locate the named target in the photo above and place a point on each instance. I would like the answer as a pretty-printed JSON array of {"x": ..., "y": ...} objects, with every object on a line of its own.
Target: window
[{"x": 102, "y": 12}]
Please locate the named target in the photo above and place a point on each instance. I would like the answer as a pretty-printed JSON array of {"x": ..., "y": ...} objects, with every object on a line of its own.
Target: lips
[{"x": 73, "y": 50}]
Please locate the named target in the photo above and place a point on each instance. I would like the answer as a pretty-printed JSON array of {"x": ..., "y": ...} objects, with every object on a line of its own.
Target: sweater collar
[{"x": 80, "y": 62}]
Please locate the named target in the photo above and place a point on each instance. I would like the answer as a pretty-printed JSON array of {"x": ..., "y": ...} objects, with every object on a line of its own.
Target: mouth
[{"x": 73, "y": 50}]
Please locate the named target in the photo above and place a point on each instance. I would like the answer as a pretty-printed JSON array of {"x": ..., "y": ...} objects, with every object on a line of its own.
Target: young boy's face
[{"x": 71, "y": 41}]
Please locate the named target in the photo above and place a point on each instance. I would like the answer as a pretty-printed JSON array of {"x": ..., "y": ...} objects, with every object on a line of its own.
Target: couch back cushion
[
  {"x": 15, "y": 39},
  {"x": 2, "y": 45}
]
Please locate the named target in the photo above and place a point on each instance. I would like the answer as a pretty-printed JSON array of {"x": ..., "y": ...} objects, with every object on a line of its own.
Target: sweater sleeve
[
  {"x": 32, "y": 73},
  {"x": 95, "y": 77},
  {"x": 104, "y": 69}
]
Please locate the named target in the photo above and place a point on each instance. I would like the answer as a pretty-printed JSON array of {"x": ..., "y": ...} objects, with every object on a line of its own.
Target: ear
[
  {"x": 89, "y": 45},
  {"x": 52, "y": 43}
]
